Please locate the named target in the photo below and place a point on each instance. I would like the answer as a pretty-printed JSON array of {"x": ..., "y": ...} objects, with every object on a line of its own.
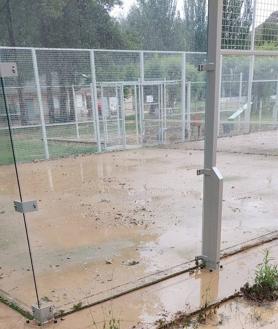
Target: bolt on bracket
[
  {"x": 206, "y": 172},
  {"x": 207, "y": 67}
]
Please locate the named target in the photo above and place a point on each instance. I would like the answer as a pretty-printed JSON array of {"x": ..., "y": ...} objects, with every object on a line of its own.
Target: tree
[
  {"x": 153, "y": 24},
  {"x": 195, "y": 24}
]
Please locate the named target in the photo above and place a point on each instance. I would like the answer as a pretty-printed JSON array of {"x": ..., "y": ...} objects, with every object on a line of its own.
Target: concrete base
[{"x": 44, "y": 313}]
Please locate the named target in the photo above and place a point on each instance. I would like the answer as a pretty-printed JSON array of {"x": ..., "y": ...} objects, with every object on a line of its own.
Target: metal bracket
[
  {"x": 25, "y": 207},
  {"x": 8, "y": 69},
  {"x": 208, "y": 67},
  {"x": 206, "y": 172}
]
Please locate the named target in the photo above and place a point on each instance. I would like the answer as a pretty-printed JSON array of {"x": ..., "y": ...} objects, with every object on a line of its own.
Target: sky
[{"x": 264, "y": 8}]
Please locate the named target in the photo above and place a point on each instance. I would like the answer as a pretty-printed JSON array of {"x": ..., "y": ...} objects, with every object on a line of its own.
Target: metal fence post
[
  {"x": 104, "y": 118},
  {"x": 188, "y": 109},
  {"x": 75, "y": 113},
  {"x": 247, "y": 116},
  {"x": 37, "y": 81},
  {"x": 123, "y": 116},
  {"x": 93, "y": 87},
  {"x": 213, "y": 180},
  {"x": 118, "y": 113},
  {"x": 136, "y": 113},
  {"x": 219, "y": 99},
  {"x": 275, "y": 109},
  {"x": 240, "y": 100},
  {"x": 183, "y": 101},
  {"x": 142, "y": 79}
]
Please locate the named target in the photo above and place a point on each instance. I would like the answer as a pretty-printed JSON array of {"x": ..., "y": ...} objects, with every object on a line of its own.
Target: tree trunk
[
  {"x": 63, "y": 103},
  {"x": 71, "y": 104}
]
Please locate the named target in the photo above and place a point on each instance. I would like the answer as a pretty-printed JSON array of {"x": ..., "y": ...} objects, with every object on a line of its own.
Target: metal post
[
  {"x": 275, "y": 109},
  {"x": 75, "y": 113},
  {"x": 247, "y": 116},
  {"x": 140, "y": 111},
  {"x": 213, "y": 180},
  {"x": 240, "y": 100},
  {"x": 118, "y": 114},
  {"x": 123, "y": 116},
  {"x": 164, "y": 118},
  {"x": 104, "y": 119},
  {"x": 136, "y": 113},
  {"x": 219, "y": 99},
  {"x": 260, "y": 113},
  {"x": 183, "y": 100},
  {"x": 93, "y": 87},
  {"x": 142, "y": 79},
  {"x": 37, "y": 81},
  {"x": 188, "y": 109}
]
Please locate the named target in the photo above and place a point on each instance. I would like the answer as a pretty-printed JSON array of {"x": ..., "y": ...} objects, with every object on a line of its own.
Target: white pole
[
  {"x": 37, "y": 81},
  {"x": 123, "y": 116},
  {"x": 188, "y": 109},
  {"x": 75, "y": 112},
  {"x": 260, "y": 113},
  {"x": 93, "y": 87},
  {"x": 165, "y": 112},
  {"x": 240, "y": 100},
  {"x": 118, "y": 113},
  {"x": 142, "y": 78},
  {"x": 275, "y": 109},
  {"x": 140, "y": 111},
  {"x": 247, "y": 116},
  {"x": 136, "y": 113},
  {"x": 219, "y": 99},
  {"x": 104, "y": 119},
  {"x": 183, "y": 101},
  {"x": 213, "y": 180}
]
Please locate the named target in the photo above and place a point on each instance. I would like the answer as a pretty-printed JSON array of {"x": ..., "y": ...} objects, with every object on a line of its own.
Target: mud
[{"x": 107, "y": 219}]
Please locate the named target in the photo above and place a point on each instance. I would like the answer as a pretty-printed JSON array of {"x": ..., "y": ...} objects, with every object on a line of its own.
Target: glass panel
[{"x": 16, "y": 279}]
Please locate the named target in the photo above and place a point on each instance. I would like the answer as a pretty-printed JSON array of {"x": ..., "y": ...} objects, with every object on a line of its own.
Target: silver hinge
[
  {"x": 208, "y": 67},
  {"x": 25, "y": 207},
  {"x": 8, "y": 69},
  {"x": 206, "y": 172}
]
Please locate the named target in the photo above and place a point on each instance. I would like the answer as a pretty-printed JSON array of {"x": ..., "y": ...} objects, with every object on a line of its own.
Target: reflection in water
[
  {"x": 50, "y": 179},
  {"x": 209, "y": 287}
]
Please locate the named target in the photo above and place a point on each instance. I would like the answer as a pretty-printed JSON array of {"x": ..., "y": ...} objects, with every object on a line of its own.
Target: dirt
[{"x": 141, "y": 210}]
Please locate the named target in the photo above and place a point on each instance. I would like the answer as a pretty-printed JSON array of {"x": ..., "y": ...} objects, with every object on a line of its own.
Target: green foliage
[
  {"x": 77, "y": 306},
  {"x": 265, "y": 287},
  {"x": 267, "y": 274}
]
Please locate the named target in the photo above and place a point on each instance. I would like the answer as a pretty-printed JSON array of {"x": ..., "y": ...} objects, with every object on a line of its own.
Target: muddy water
[{"x": 107, "y": 219}]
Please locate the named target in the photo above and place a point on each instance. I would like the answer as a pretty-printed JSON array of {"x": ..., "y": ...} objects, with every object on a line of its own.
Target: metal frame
[{"x": 213, "y": 180}]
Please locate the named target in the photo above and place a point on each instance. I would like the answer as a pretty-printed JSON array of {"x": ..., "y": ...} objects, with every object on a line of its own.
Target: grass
[{"x": 265, "y": 287}]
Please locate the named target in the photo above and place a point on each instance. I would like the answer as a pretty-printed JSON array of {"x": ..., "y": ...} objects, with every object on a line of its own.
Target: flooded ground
[
  {"x": 106, "y": 220},
  {"x": 185, "y": 293}
]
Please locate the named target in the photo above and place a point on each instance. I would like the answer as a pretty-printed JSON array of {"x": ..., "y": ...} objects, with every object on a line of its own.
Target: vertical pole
[
  {"x": 183, "y": 100},
  {"x": 118, "y": 114},
  {"x": 93, "y": 87},
  {"x": 247, "y": 116},
  {"x": 37, "y": 81},
  {"x": 136, "y": 113},
  {"x": 104, "y": 118},
  {"x": 123, "y": 116},
  {"x": 75, "y": 112},
  {"x": 275, "y": 110},
  {"x": 142, "y": 79},
  {"x": 160, "y": 106},
  {"x": 219, "y": 99},
  {"x": 188, "y": 109},
  {"x": 239, "y": 100},
  {"x": 260, "y": 113},
  {"x": 213, "y": 180},
  {"x": 165, "y": 112}
]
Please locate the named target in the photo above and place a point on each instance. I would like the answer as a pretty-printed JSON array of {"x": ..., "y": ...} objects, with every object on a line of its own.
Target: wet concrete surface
[
  {"x": 107, "y": 219},
  {"x": 185, "y": 293}
]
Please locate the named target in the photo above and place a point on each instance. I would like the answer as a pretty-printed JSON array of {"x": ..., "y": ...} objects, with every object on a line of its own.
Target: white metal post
[
  {"x": 164, "y": 118},
  {"x": 93, "y": 87},
  {"x": 123, "y": 117},
  {"x": 260, "y": 113},
  {"x": 240, "y": 100},
  {"x": 142, "y": 79},
  {"x": 37, "y": 81},
  {"x": 118, "y": 113},
  {"x": 136, "y": 113},
  {"x": 213, "y": 180},
  {"x": 188, "y": 109},
  {"x": 219, "y": 99},
  {"x": 104, "y": 118},
  {"x": 75, "y": 113},
  {"x": 247, "y": 116},
  {"x": 275, "y": 109},
  {"x": 183, "y": 100}
]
